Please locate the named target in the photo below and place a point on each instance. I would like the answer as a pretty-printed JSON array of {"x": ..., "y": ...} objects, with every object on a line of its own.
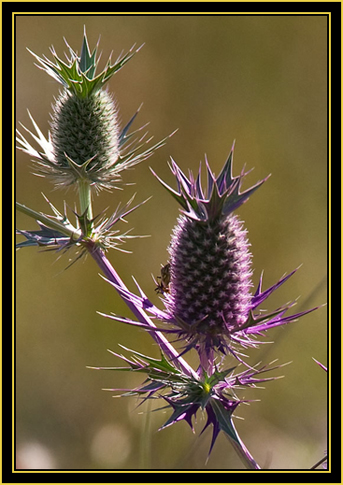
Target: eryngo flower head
[
  {"x": 85, "y": 141},
  {"x": 209, "y": 298}
]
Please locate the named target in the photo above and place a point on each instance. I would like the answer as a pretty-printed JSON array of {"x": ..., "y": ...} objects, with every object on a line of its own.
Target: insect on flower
[{"x": 163, "y": 280}]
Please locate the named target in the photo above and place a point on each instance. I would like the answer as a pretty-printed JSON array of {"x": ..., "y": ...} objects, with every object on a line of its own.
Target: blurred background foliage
[{"x": 261, "y": 80}]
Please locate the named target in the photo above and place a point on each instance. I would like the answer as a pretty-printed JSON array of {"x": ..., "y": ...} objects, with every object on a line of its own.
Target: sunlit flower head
[
  {"x": 209, "y": 302},
  {"x": 86, "y": 141}
]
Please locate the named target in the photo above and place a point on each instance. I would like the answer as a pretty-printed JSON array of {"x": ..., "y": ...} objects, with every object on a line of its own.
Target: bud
[{"x": 85, "y": 137}]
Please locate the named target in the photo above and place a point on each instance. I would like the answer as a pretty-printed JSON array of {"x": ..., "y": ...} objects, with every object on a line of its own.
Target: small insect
[{"x": 163, "y": 280}]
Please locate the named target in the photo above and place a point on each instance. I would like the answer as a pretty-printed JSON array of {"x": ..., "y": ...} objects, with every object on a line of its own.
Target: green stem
[{"x": 85, "y": 198}]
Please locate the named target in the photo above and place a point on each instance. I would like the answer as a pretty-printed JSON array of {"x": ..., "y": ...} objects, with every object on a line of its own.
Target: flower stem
[
  {"x": 111, "y": 274},
  {"x": 85, "y": 197}
]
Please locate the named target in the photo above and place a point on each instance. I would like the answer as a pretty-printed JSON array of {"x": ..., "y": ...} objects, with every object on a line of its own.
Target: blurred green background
[{"x": 261, "y": 80}]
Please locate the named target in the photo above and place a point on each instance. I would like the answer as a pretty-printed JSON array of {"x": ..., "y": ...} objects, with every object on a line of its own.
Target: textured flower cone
[
  {"x": 210, "y": 279},
  {"x": 85, "y": 129}
]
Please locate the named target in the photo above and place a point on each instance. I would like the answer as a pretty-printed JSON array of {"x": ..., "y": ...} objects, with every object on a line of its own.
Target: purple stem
[{"x": 111, "y": 274}]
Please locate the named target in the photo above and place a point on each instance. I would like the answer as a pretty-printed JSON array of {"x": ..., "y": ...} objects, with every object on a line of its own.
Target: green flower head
[{"x": 86, "y": 142}]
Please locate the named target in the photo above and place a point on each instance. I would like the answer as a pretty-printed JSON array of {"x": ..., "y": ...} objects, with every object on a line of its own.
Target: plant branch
[{"x": 110, "y": 273}]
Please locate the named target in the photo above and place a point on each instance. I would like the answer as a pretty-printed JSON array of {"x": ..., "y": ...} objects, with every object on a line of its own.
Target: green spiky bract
[{"x": 78, "y": 74}]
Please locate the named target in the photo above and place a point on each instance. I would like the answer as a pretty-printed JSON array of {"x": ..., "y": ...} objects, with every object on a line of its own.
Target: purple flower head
[
  {"x": 209, "y": 299},
  {"x": 206, "y": 285}
]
